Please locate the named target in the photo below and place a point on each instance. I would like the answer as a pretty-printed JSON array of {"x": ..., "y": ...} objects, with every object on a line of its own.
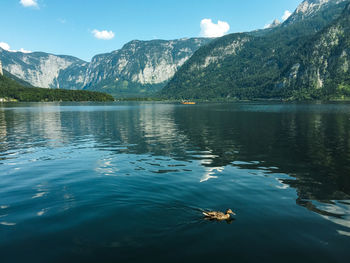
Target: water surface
[{"x": 127, "y": 182}]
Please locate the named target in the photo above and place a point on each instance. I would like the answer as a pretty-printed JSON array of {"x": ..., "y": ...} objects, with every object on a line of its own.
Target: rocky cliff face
[
  {"x": 263, "y": 63},
  {"x": 256, "y": 66},
  {"x": 42, "y": 69},
  {"x": 139, "y": 65},
  {"x": 310, "y": 8},
  {"x": 323, "y": 63}
]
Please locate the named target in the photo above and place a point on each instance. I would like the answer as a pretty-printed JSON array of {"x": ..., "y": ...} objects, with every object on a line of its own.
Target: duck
[{"x": 219, "y": 215}]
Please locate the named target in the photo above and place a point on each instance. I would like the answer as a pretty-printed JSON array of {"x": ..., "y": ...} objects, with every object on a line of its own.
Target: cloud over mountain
[
  {"x": 286, "y": 15},
  {"x": 210, "y": 29},
  {"x": 7, "y": 47}
]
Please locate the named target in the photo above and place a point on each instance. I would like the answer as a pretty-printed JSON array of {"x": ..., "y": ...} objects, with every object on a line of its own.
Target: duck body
[{"x": 218, "y": 215}]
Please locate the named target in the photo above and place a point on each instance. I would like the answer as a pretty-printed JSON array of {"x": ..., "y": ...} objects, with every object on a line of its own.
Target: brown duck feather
[{"x": 218, "y": 215}]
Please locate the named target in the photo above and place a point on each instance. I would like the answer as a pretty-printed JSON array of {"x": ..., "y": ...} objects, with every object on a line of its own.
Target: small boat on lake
[{"x": 188, "y": 102}]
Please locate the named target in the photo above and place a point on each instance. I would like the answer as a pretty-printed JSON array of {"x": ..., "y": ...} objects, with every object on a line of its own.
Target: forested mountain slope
[{"x": 254, "y": 65}]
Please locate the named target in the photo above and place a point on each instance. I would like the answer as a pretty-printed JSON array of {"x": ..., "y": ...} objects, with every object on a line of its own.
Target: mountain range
[
  {"x": 137, "y": 69},
  {"x": 306, "y": 56},
  {"x": 13, "y": 89},
  {"x": 298, "y": 59}
]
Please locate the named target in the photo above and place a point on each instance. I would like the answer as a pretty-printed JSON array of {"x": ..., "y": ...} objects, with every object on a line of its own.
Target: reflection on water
[{"x": 139, "y": 175}]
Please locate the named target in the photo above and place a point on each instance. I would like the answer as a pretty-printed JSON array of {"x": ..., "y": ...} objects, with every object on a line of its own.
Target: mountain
[
  {"x": 139, "y": 68},
  {"x": 11, "y": 90},
  {"x": 309, "y": 17},
  {"x": 275, "y": 23},
  {"x": 252, "y": 65},
  {"x": 243, "y": 65},
  {"x": 317, "y": 9},
  {"x": 321, "y": 68},
  {"x": 18, "y": 80},
  {"x": 45, "y": 70}
]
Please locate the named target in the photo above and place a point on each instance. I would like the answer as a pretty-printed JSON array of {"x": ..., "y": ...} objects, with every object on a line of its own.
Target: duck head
[{"x": 229, "y": 211}]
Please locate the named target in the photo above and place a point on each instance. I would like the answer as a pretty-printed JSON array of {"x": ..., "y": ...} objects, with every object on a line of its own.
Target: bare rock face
[
  {"x": 138, "y": 63},
  {"x": 324, "y": 63},
  {"x": 143, "y": 63},
  {"x": 309, "y": 51},
  {"x": 219, "y": 66},
  {"x": 41, "y": 69},
  {"x": 309, "y": 8}
]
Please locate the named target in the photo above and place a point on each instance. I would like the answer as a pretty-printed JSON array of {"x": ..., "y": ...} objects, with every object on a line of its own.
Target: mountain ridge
[
  {"x": 12, "y": 90},
  {"x": 39, "y": 68},
  {"x": 139, "y": 65},
  {"x": 323, "y": 66},
  {"x": 245, "y": 62},
  {"x": 256, "y": 70}
]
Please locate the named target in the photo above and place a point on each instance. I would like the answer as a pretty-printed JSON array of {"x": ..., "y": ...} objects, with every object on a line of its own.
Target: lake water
[{"x": 127, "y": 182}]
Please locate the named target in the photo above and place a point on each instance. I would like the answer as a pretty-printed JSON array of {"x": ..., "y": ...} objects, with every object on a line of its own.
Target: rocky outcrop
[
  {"x": 143, "y": 63},
  {"x": 308, "y": 50},
  {"x": 43, "y": 70},
  {"x": 323, "y": 63},
  {"x": 310, "y": 8},
  {"x": 138, "y": 63}
]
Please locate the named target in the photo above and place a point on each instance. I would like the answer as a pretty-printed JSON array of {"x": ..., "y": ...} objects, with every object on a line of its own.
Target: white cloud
[
  {"x": 210, "y": 29},
  {"x": 29, "y": 3},
  {"x": 286, "y": 15},
  {"x": 24, "y": 51},
  {"x": 104, "y": 34},
  {"x": 269, "y": 25},
  {"x": 7, "y": 47}
]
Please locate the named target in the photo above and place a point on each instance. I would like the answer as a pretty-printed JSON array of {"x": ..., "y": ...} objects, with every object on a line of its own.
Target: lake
[{"x": 128, "y": 182}]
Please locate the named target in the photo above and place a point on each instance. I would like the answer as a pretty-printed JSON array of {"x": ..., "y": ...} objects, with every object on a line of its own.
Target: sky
[{"x": 84, "y": 28}]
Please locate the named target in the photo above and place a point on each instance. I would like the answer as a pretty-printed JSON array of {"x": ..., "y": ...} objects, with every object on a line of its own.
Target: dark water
[{"x": 128, "y": 182}]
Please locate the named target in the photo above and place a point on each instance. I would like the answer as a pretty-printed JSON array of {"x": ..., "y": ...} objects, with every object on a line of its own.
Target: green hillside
[
  {"x": 11, "y": 90},
  {"x": 248, "y": 66},
  {"x": 321, "y": 67}
]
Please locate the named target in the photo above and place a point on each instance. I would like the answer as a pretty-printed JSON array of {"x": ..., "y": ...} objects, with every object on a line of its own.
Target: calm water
[{"x": 128, "y": 182}]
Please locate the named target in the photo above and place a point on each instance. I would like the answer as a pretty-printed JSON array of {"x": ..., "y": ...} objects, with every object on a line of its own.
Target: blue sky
[{"x": 84, "y": 28}]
